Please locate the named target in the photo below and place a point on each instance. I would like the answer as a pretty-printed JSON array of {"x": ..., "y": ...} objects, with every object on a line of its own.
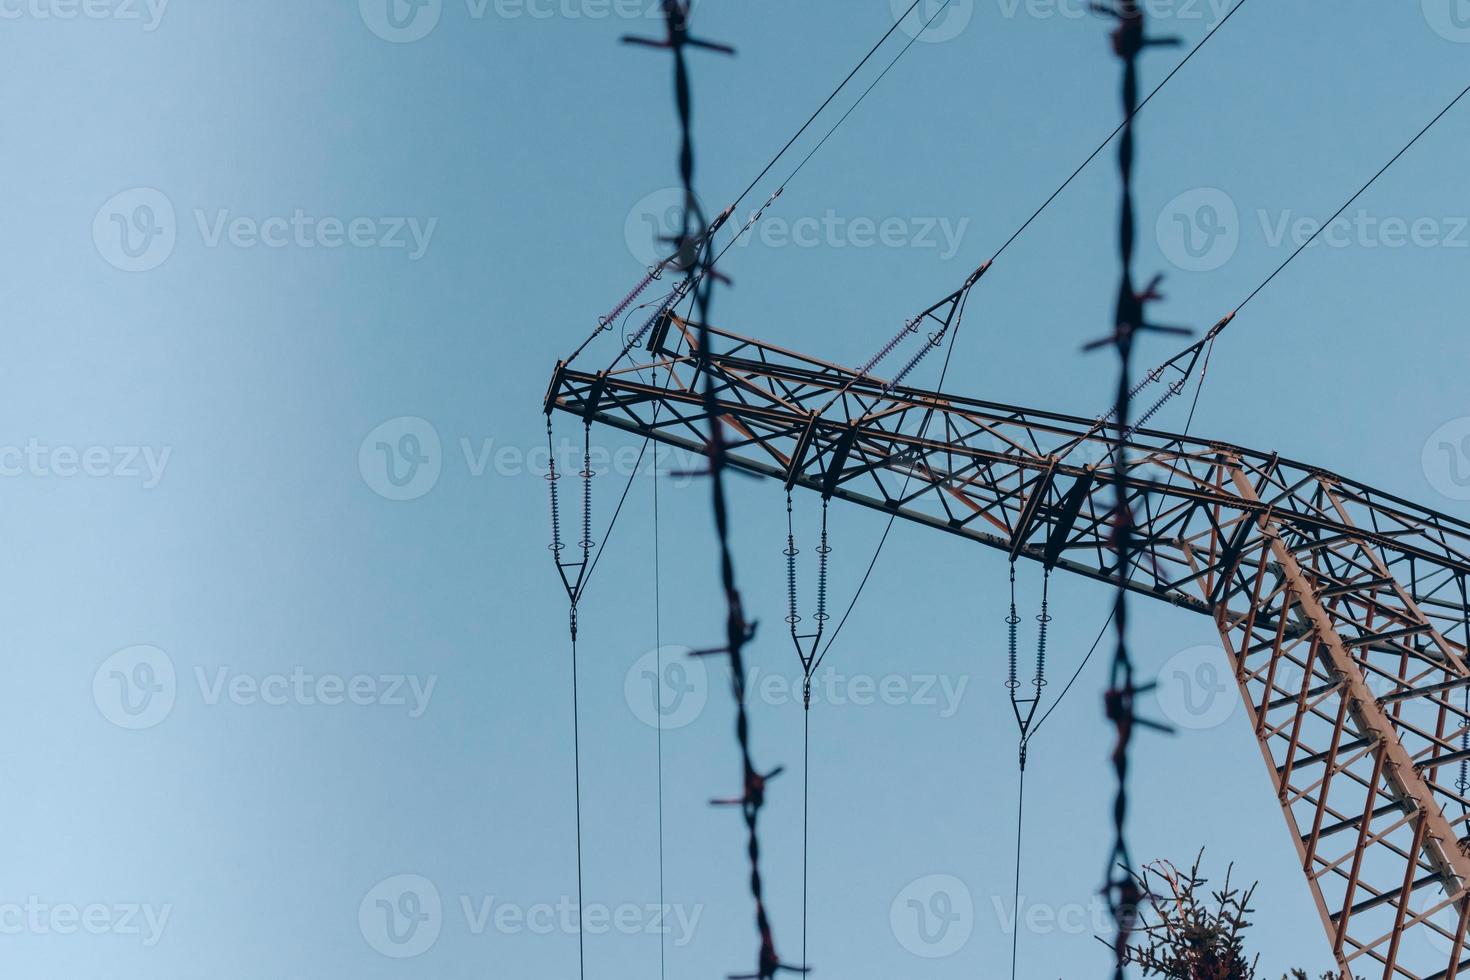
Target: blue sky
[{"x": 261, "y": 683}]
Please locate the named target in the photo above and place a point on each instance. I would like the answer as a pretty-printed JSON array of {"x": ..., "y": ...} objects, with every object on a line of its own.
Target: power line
[
  {"x": 706, "y": 244},
  {"x": 835, "y": 126},
  {"x": 673, "y": 10},
  {"x": 883, "y": 540},
  {"x": 1109, "y": 138},
  {"x": 738, "y": 631},
  {"x": 1371, "y": 181},
  {"x": 1208, "y": 343},
  {"x": 658, "y": 707},
  {"x": 828, "y": 101}
]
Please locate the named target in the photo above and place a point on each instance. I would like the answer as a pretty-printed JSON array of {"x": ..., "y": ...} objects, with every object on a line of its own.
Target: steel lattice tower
[{"x": 1336, "y": 602}]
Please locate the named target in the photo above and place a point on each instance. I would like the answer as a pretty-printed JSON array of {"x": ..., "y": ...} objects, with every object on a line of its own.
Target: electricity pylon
[{"x": 1336, "y": 601}]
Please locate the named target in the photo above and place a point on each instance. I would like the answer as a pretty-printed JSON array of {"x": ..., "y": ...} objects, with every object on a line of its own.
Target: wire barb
[
  {"x": 1121, "y": 889},
  {"x": 738, "y": 630}
]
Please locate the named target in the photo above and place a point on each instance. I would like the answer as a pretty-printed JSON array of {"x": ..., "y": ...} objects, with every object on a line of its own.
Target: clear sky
[{"x": 256, "y": 253}]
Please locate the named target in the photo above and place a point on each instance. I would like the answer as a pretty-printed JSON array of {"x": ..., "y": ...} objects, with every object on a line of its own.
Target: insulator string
[
  {"x": 1012, "y": 621},
  {"x": 1043, "y": 620},
  {"x": 551, "y": 478},
  {"x": 587, "y": 476},
  {"x": 823, "y": 551},
  {"x": 792, "y": 618}
]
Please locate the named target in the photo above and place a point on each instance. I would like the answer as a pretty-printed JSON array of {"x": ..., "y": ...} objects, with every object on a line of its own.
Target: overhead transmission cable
[
  {"x": 877, "y": 552},
  {"x": 706, "y": 244},
  {"x": 1207, "y": 343}
]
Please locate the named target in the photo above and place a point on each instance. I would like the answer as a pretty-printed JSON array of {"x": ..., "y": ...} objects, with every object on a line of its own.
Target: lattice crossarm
[{"x": 1342, "y": 607}]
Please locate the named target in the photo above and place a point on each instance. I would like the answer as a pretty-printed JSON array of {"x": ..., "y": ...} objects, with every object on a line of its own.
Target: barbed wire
[
  {"x": 738, "y": 630},
  {"x": 1121, "y": 887}
]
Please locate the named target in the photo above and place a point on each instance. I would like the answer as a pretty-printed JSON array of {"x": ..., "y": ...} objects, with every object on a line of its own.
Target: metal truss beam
[{"x": 1336, "y": 601}]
